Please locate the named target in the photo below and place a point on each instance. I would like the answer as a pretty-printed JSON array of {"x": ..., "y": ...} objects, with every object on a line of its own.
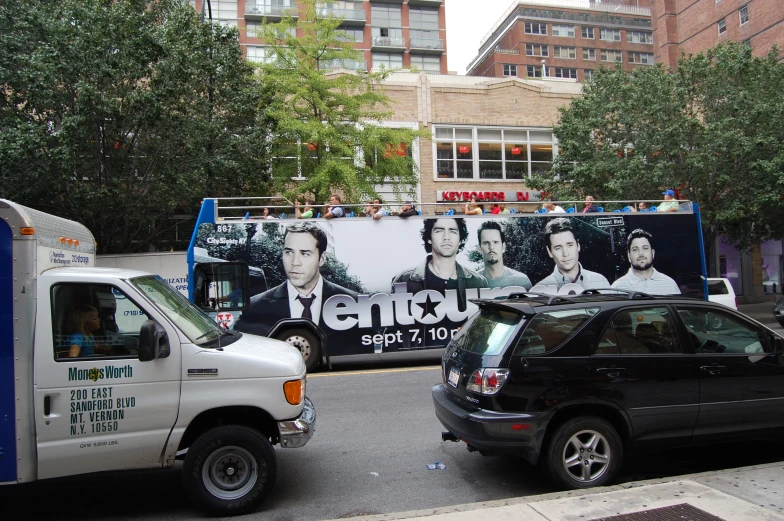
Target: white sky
[{"x": 467, "y": 22}]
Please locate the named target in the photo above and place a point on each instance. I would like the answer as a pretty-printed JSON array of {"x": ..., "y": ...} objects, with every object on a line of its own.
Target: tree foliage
[
  {"x": 329, "y": 132},
  {"x": 121, "y": 114},
  {"x": 713, "y": 130}
]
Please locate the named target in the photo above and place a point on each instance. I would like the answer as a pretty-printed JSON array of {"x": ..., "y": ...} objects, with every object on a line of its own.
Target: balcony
[
  {"x": 272, "y": 12},
  {"x": 430, "y": 3},
  {"x": 352, "y": 17},
  {"x": 388, "y": 43},
  {"x": 350, "y": 65},
  {"x": 427, "y": 45}
]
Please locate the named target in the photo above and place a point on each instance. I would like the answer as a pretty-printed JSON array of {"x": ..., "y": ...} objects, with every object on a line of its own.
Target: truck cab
[{"x": 107, "y": 369}]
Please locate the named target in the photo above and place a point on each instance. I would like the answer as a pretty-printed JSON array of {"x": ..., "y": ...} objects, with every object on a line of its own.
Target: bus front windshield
[{"x": 189, "y": 319}]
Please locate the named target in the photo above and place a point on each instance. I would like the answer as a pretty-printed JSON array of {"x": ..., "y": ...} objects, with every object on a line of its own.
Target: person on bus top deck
[
  {"x": 669, "y": 204},
  {"x": 378, "y": 211},
  {"x": 642, "y": 276},
  {"x": 503, "y": 208},
  {"x": 83, "y": 321},
  {"x": 563, "y": 247},
  {"x": 492, "y": 244},
  {"x": 471, "y": 208},
  {"x": 495, "y": 209},
  {"x": 307, "y": 213},
  {"x": 333, "y": 210},
  {"x": 551, "y": 207},
  {"x": 304, "y": 291},
  {"x": 269, "y": 213},
  {"x": 407, "y": 210},
  {"x": 443, "y": 239},
  {"x": 589, "y": 206}
]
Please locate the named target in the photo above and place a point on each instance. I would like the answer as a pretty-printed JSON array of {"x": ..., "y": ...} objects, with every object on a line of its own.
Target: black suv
[{"x": 573, "y": 383}]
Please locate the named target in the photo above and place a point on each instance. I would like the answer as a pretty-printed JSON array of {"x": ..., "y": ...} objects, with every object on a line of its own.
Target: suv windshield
[
  {"x": 197, "y": 326},
  {"x": 487, "y": 332}
]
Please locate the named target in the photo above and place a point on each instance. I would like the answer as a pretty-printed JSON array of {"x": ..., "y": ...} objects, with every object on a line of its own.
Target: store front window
[
  {"x": 772, "y": 266},
  {"x": 730, "y": 265}
]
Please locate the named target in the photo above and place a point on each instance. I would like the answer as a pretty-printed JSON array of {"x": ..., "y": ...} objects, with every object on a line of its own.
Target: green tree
[
  {"x": 713, "y": 129},
  {"x": 329, "y": 131},
  {"x": 121, "y": 114}
]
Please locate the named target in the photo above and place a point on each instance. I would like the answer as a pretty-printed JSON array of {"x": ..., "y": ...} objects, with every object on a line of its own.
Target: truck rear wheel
[
  {"x": 230, "y": 470},
  {"x": 307, "y": 343}
]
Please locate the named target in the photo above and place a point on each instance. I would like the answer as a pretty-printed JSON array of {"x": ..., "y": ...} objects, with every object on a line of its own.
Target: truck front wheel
[
  {"x": 307, "y": 343},
  {"x": 230, "y": 470}
]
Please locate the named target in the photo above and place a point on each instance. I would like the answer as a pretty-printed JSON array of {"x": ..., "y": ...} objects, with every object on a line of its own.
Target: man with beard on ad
[
  {"x": 563, "y": 247},
  {"x": 642, "y": 276},
  {"x": 492, "y": 245},
  {"x": 443, "y": 239},
  {"x": 305, "y": 290}
]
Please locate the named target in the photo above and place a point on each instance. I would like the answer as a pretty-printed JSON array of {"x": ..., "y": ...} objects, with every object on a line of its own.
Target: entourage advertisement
[{"x": 400, "y": 284}]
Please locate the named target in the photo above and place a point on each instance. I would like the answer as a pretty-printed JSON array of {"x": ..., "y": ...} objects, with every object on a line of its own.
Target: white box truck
[{"x": 104, "y": 369}]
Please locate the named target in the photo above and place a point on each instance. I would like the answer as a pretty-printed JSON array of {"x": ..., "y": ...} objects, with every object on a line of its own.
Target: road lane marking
[{"x": 377, "y": 371}]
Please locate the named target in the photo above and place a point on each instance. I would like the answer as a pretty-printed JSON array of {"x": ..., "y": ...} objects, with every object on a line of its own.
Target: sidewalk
[
  {"x": 761, "y": 311},
  {"x": 743, "y": 494}
]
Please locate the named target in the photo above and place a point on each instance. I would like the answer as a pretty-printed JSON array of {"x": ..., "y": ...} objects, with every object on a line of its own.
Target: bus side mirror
[{"x": 153, "y": 341}]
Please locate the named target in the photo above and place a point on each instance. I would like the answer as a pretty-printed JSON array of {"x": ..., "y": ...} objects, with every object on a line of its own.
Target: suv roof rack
[
  {"x": 551, "y": 299},
  {"x": 630, "y": 294}
]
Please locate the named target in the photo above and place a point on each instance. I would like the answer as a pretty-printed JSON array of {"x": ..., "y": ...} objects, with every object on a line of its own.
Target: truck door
[{"x": 97, "y": 406}]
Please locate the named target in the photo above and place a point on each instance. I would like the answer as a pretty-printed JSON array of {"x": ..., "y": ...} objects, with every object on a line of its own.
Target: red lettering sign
[
  {"x": 522, "y": 196},
  {"x": 516, "y": 151},
  {"x": 463, "y": 149}
]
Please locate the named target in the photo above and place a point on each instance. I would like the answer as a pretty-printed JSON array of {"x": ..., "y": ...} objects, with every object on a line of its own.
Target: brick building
[
  {"x": 393, "y": 33},
  {"x": 696, "y": 25},
  {"x": 566, "y": 39}
]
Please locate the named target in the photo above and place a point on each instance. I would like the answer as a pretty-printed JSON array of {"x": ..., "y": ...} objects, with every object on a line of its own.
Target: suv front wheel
[{"x": 583, "y": 452}]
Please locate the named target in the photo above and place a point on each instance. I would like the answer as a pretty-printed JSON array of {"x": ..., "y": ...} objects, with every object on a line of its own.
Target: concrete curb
[{"x": 468, "y": 507}]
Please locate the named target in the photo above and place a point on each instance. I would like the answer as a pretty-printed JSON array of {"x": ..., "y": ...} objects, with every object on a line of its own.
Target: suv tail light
[{"x": 487, "y": 381}]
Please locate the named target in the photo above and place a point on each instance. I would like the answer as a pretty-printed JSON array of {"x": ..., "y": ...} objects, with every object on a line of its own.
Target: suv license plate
[{"x": 454, "y": 376}]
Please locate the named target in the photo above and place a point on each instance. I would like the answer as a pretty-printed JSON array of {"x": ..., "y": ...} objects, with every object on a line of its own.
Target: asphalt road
[{"x": 375, "y": 433}]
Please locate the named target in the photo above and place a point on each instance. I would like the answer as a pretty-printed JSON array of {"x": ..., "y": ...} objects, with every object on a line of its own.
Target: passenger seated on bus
[
  {"x": 472, "y": 208},
  {"x": 83, "y": 321}
]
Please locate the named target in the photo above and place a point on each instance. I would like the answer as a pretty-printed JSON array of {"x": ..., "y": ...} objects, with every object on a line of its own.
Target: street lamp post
[{"x": 544, "y": 69}]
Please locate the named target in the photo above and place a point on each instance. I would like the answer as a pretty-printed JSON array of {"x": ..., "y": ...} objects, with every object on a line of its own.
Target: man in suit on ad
[{"x": 305, "y": 290}]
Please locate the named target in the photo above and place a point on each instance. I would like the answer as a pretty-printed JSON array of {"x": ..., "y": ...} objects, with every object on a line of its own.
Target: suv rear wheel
[{"x": 583, "y": 452}]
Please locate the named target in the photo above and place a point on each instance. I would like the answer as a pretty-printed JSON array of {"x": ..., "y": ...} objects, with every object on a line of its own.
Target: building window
[
  {"x": 423, "y": 18},
  {"x": 383, "y": 15},
  {"x": 589, "y": 54},
  {"x": 610, "y": 35},
  {"x": 564, "y": 52},
  {"x": 611, "y": 56},
  {"x": 426, "y": 63},
  {"x": 491, "y": 153},
  {"x": 533, "y": 71},
  {"x": 645, "y": 58},
  {"x": 532, "y": 49},
  {"x": 747, "y": 43},
  {"x": 588, "y": 33},
  {"x": 260, "y": 54},
  {"x": 639, "y": 37},
  {"x": 563, "y": 30},
  {"x": 353, "y": 34},
  {"x": 563, "y": 72},
  {"x": 535, "y": 28},
  {"x": 722, "y": 26},
  {"x": 744, "y": 14},
  {"x": 387, "y": 60},
  {"x": 510, "y": 70},
  {"x": 587, "y": 74},
  {"x": 224, "y": 9}
]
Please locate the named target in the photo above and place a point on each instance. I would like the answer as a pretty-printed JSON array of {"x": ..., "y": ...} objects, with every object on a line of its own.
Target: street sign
[{"x": 609, "y": 221}]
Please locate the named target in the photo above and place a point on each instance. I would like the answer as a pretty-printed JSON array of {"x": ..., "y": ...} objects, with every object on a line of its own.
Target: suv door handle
[
  {"x": 611, "y": 371},
  {"x": 713, "y": 369}
]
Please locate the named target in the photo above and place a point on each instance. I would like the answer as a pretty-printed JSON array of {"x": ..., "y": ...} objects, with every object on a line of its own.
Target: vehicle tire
[
  {"x": 230, "y": 470},
  {"x": 307, "y": 343},
  {"x": 583, "y": 452}
]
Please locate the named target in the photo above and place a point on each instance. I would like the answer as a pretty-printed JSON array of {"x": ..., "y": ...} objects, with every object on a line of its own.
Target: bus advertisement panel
[{"x": 394, "y": 284}]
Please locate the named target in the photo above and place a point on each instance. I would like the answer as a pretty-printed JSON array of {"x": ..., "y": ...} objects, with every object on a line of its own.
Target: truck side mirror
[{"x": 153, "y": 341}]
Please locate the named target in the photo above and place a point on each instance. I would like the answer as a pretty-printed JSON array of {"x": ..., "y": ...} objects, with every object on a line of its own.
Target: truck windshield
[{"x": 197, "y": 326}]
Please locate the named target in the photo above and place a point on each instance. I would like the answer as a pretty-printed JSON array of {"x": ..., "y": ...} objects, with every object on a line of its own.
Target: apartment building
[
  {"x": 566, "y": 39},
  {"x": 696, "y": 25},
  {"x": 392, "y": 33}
]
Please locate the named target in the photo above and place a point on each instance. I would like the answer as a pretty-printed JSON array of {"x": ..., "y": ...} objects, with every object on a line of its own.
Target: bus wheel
[{"x": 307, "y": 343}]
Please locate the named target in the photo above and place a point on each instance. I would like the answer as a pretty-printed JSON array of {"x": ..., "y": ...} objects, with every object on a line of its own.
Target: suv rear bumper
[{"x": 520, "y": 434}]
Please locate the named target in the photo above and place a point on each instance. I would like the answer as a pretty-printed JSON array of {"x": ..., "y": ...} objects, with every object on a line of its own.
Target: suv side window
[
  {"x": 547, "y": 331},
  {"x": 94, "y": 321},
  {"x": 640, "y": 331},
  {"x": 714, "y": 331}
]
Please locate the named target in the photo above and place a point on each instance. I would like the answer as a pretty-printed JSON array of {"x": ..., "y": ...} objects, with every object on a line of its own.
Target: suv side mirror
[
  {"x": 778, "y": 345},
  {"x": 153, "y": 341}
]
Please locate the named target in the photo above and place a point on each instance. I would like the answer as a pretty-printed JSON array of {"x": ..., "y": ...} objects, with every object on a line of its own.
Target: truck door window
[{"x": 94, "y": 321}]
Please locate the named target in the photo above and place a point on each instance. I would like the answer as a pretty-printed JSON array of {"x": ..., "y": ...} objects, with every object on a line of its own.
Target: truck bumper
[{"x": 296, "y": 433}]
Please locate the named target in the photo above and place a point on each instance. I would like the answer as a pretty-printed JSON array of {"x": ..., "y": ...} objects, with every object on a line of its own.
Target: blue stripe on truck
[{"x": 7, "y": 411}]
